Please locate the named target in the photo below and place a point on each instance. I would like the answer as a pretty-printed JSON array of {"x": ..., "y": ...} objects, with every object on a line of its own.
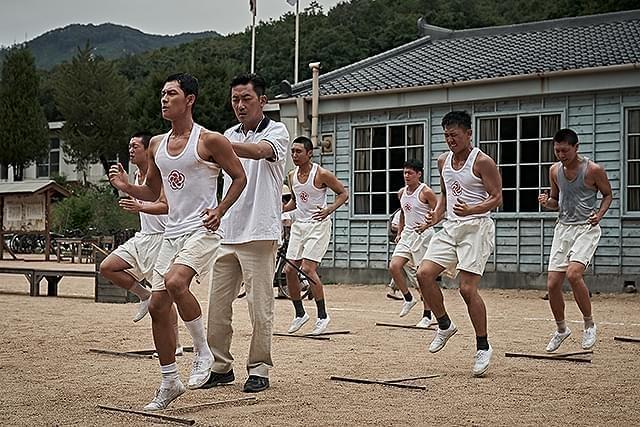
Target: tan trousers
[{"x": 252, "y": 263}]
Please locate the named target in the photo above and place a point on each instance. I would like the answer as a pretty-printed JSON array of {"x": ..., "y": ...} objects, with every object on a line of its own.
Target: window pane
[
  {"x": 508, "y": 128},
  {"x": 634, "y": 173},
  {"x": 415, "y": 153},
  {"x": 508, "y": 176},
  {"x": 633, "y": 203},
  {"x": 396, "y": 158},
  {"x": 379, "y": 161},
  {"x": 54, "y": 143},
  {"x": 394, "y": 203},
  {"x": 379, "y": 137},
  {"x": 363, "y": 138},
  {"x": 362, "y": 160},
  {"x": 379, "y": 181},
  {"x": 634, "y": 121},
  {"x": 396, "y": 180},
  {"x": 42, "y": 171},
  {"x": 529, "y": 176},
  {"x": 415, "y": 135},
  {"x": 4, "y": 172},
  {"x": 362, "y": 204},
  {"x": 362, "y": 182},
  {"x": 544, "y": 175},
  {"x": 529, "y": 127},
  {"x": 508, "y": 152},
  {"x": 529, "y": 201},
  {"x": 378, "y": 204},
  {"x": 508, "y": 201},
  {"x": 529, "y": 152},
  {"x": 546, "y": 151},
  {"x": 396, "y": 136},
  {"x": 634, "y": 148},
  {"x": 550, "y": 125},
  {"x": 489, "y": 130},
  {"x": 490, "y": 149}
]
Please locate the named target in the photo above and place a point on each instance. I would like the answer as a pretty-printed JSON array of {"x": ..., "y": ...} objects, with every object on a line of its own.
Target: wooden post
[{"x": 47, "y": 225}]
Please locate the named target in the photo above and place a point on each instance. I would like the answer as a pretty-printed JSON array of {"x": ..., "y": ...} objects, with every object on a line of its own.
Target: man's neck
[
  {"x": 412, "y": 187},
  {"x": 252, "y": 125},
  {"x": 574, "y": 163},
  {"x": 182, "y": 126},
  {"x": 142, "y": 168},
  {"x": 463, "y": 155},
  {"x": 305, "y": 167}
]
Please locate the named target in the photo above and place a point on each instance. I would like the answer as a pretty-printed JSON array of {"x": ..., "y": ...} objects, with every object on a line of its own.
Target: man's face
[
  {"x": 174, "y": 102},
  {"x": 137, "y": 152},
  {"x": 299, "y": 154},
  {"x": 411, "y": 177},
  {"x": 458, "y": 139},
  {"x": 565, "y": 152},
  {"x": 247, "y": 104}
]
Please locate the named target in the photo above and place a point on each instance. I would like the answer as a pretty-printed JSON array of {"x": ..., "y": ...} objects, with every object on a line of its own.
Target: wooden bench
[{"x": 53, "y": 277}]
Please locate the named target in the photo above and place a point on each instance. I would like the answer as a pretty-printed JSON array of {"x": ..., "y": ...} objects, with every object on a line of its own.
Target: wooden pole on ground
[
  {"x": 627, "y": 339},
  {"x": 120, "y": 353},
  {"x": 327, "y": 333},
  {"x": 423, "y": 377},
  {"x": 178, "y": 420},
  {"x": 395, "y": 325},
  {"x": 547, "y": 357},
  {"x": 252, "y": 399},
  {"x": 312, "y": 337},
  {"x": 364, "y": 381}
]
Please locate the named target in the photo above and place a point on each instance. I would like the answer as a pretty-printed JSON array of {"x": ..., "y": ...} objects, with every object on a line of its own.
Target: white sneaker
[
  {"x": 143, "y": 309},
  {"x": 321, "y": 326},
  {"x": 589, "y": 338},
  {"x": 165, "y": 395},
  {"x": 557, "y": 339},
  {"x": 200, "y": 371},
  {"x": 297, "y": 323},
  {"x": 483, "y": 359},
  {"x": 179, "y": 352},
  {"x": 407, "y": 306},
  {"x": 425, "y": 322},
  {"x": 441, "y": 338}
]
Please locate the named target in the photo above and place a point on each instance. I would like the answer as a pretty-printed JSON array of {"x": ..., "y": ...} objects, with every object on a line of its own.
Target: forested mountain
[{"x": 108, "y": 40}]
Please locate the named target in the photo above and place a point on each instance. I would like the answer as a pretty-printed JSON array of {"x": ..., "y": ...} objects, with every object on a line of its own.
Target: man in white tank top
[
  {"x": 416, "y": 200},
  {"x": 184, "y": 165},
  {"x": 471, "y": 187},
  {"x": 132, "y": 262},
  {"x": 311, "y": 230},
  {"x": 253, "y": 228},
  {"x": 575, "y": 182},
  {"x": 410, "y": 270}
]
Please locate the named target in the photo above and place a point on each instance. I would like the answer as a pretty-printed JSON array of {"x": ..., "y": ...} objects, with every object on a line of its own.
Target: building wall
[{"x": 523, "y": 240}]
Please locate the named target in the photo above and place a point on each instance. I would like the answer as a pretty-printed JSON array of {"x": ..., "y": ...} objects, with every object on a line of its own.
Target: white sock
[
  {"x": 139, "y": 290},
  {"x": 169, "y": 374},
  {"x": 199, "y": 336}
]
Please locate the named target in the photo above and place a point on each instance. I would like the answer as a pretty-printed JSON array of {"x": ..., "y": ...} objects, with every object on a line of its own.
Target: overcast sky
[{"x": 22, "y": 20}]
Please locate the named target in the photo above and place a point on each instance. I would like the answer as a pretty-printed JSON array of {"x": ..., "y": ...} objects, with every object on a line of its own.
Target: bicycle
[{"x": 280, "y": 278}]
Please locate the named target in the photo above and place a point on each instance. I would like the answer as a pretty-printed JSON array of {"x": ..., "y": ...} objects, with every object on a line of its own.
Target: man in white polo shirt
[{"x": 252, "y": 231}]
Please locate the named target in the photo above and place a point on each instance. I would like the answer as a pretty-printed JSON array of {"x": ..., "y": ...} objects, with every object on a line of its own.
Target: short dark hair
[
  {"x": 188, "y": 83},
  {"x": 145, "y": 137},
  {"x": 415, "y": 165},
  {"x": 308, "y": 145},
  {"x": 259, "y": 84},
  {"x": 566, "y": 135},
  {"x": 457, "y": 118}
]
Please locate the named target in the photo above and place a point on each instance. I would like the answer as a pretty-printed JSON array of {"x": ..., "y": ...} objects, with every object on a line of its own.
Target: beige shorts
[
  {"x": 309, "y": 240},
  {"x": 573, "y": 242},
  {"x": 140, "y": 252},
  {"x": 412, "y": 245},
  {"x": 195, "y": 250},
  {"x": 463, "y": 245}
]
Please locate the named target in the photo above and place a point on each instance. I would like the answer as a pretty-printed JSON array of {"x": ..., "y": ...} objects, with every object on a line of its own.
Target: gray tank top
[{"x": 577, "y": 201}]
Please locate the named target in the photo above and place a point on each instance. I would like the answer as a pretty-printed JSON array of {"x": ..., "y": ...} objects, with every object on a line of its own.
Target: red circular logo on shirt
[
  {"x": 304, "y": 196},
  {"x": 456, "y": 188},
  {"x": 176, "y": 180}
]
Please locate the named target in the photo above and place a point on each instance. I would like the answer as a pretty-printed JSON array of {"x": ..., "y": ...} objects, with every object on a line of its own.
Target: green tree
[
  {"x": 92, "y": 98},
  {"x": 23, "y": 125}
]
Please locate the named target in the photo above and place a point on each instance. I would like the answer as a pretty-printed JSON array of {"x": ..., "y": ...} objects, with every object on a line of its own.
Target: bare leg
[
  {"x": 293, "y": 282},
  {"x": 162, "y": 326},
  {"x": 475, "y": 305},
  {"x": 177, "y": 281},
  {"x": 554, "y": 288},
  {"x": 310, "y": 269},
  {"x": 396, "y": 269},
  {"x": 427, "y": 274},
  {"x": 575, "y": 277}
]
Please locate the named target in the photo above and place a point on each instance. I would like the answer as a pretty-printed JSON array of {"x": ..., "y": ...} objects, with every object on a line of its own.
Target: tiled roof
[
  {"x": 31, "y": 187},
  {"x": 446, "y": 56}
]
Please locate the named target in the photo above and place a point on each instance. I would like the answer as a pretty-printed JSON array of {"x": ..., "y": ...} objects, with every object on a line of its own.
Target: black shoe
[
  {"x": 216, "y": 379},
  {"x": 255, "y": 384}
]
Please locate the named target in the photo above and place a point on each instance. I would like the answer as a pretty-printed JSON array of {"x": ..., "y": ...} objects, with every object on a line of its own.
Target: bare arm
[
  {"x": 291, "y": 204},
  {"x": 604, "y": 187},
  {"x": 342, "y": 195},
  {"x": 259, "y": 151},
  {"x": 436, "y": 215},
  {"x": 429, "y": 197},
  {"x": 550, "y": 201},
  {"x": 488, "y": 172},
  {"x": 150, "y": 190}
]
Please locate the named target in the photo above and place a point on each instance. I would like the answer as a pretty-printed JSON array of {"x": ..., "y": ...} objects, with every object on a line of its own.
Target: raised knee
[
  {"x": 425, "y": 276},
  {"x": 174, "y": 285},
  {"x": 158, "y": 309}
]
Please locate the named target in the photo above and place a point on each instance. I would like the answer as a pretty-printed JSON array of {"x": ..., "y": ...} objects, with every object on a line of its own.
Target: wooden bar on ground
[
  {"x": 365, "y": 381},
  {"x": 327, "y": 333},
  {"x": 572, "y": 353},
  {"x": 311, "y": 337},
  {"x": 217, "y": 402},
  {"x": 395, "y": 325},
  {"x": 178, "y": 420},
  {"x": 121, "y": 353},
  {"x": 423, "y": 377},
  {"x": 151, "y": 351},
  {"x": 627, "y": 339},
  {"x": 547, "y": 357}
]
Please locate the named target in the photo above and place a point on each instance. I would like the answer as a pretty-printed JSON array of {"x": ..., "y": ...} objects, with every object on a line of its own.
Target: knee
[
  {"x": 425, "y": 276},
  {"x": 288, "y": 269},
  {"x": 574, "y": 276},
  {"x": 105, "y": 267},
  {"x": 175, "y": 285},
  {"x": 467, "y": 291},
  {"x": 308, "y": 269},
  {"x": 395, "y": 266},
  {"x": 158, "y": 309}
]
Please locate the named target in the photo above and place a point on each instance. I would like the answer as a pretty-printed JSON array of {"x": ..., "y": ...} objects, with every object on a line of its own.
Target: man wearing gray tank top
[{"x": 575, "y": 182}]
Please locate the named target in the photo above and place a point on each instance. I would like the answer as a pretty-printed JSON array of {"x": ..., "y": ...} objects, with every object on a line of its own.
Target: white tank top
[
  {"x": 309, "y": 198},
  {"x": 414, "y": 209},
  {"x": 150, "y": 224},
  {"x": 190, "y": 185},
  {"x": 463, "y": 184}
]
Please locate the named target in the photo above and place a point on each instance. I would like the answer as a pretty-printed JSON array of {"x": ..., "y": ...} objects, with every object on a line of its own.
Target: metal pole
[
  {"x": 253, "y": 43},
  {"x": 315, "y": 95},
  {"x": 296, "y": 63}
]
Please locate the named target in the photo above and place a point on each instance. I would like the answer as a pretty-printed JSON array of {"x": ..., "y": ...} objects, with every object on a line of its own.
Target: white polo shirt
[{"x": 256, "y": 215}]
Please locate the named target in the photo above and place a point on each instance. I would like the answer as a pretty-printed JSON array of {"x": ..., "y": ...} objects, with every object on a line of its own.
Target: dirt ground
[{"x": 49, "y": 377}]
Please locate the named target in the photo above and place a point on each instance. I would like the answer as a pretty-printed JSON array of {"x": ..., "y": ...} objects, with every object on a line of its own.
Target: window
[
  {"x": 49, "y": 165},
  {"x": 522, "y": 147},
  {"x": 4, "y": 172},
  {"x": 379, "y": 156},
  {"x": 633, "y": 160}
]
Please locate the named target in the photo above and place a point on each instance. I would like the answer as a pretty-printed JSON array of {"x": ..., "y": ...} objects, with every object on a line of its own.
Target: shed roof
[{"x": 31, "y": 187}]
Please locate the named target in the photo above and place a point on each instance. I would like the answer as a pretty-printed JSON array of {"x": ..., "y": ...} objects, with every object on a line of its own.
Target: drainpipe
[{"x": 315, "y": 96}]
